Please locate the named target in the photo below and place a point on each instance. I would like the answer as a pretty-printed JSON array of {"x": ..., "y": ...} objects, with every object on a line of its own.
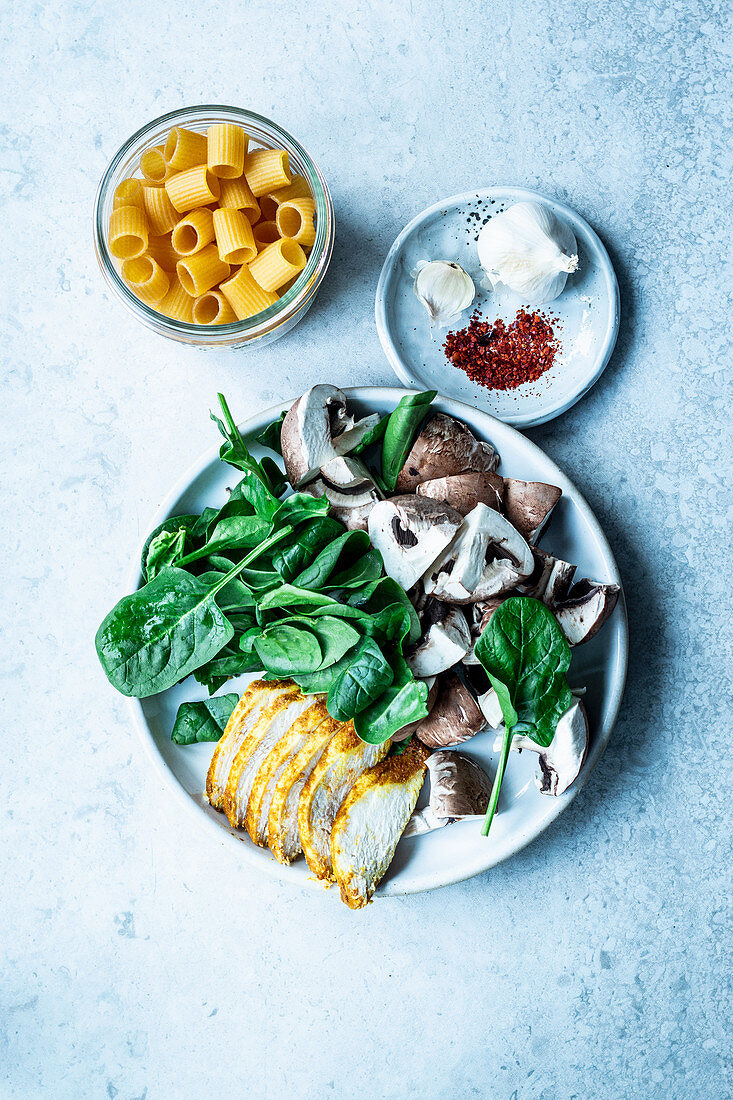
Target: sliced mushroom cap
[
  {"x": 487, "y": 557},
  {"x": 464, "y": 491},
  {"x": 318, "y": 429},
  {"x": 445, "y": 640},
  {"x": 444, "y": 447},
  {"x": 411, "y": 532},
  {"x": 588, "y": 605},
  {"x": 528, "y": 504},
  {"x": 347, "y": 485},
  {"x": 459, "y": 790},
  {"x": 455, "y": 717},
  {"x": 409, "y": 729},
  {"x": 561, "y": 761},
  {"x": 491, "y": 708}
]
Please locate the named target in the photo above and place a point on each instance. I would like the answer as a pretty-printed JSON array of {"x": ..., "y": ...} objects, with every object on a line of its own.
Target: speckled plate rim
[
  {"x": 592, "y": 243},
  {"x": 487, "y": 426}
]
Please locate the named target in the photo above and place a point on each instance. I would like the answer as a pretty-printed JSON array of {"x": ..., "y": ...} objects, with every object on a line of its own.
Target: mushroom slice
[
  {"x": 464, "y": 491},
  {"x": 528, "y": 504},
  {"x": 259, "y": 695},
  {"x": 272, "y": 724},
  {"x": 410, "y": 532},
  {"x": 487, "y": 557},
  {"x": 283, "y": 835},
  {"x": 455, "y": 717},
  {"x": 491, "y": 708},
  {"x": 345, "y": 759},
  {"x": 587, "y": 607},
  {"x": 459, "y": 791},
  {"x": 371, "y": 821},
  {"x": 350, "y": 490},
  {"x": 318, "y": 429},
  {"x": 444, "y": 447},
  {"x": 561, "y": 761},
  {"x": 445, "y": 640}
]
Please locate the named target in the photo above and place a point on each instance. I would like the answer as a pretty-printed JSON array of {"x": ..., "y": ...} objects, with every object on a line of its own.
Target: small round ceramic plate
[
  {"x": 587, "y": 311},
  {"x": 458, "y": 851}
]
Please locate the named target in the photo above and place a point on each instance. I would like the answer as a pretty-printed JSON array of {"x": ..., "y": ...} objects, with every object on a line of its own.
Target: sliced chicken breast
[
  {"x": 283, "y": 834},
  {"x": 345, "y": 759},
  {"x": 259, "y": 694},
  {"x": 272, "y": 767},
  {"x": 272, "y": 724},
  {"x": 371, "y": 821}
]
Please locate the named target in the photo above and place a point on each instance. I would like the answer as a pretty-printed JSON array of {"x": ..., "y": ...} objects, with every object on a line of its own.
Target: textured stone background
[{"x": 138, "y": 958}]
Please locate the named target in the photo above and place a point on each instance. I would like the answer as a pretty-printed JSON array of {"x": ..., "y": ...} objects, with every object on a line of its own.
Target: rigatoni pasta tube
[
  {"x": 265, "y": 233},
  {"x": 193, "y": 232},
  {"x": 162, "y": 215},
  {"x": 234, "y": 237},
  {"x": 192, "y": 188},
  {"x": 177, "y": 303},
  {"x": 128, "y": 232},
  {"x": 128, "y": 193},
  {"x": 278, "y": 263},
  {"x": 298, "y": 189},
  {"x": 146, "y": 279},
  {"x": 226, "y": 147},
  {"x": 184, "y": 149},
  {"x": 245, "y": 295},
  {"x": 153, "y": 165},
  {"x": 213, "y": 309},
  {"x": 161, "y": 249},
  {"x": 198, "y": 273},
  {"x": 237, "y": 195},
  {"x": 294, "y": 219},
  {"x": 267, "y": 170}
]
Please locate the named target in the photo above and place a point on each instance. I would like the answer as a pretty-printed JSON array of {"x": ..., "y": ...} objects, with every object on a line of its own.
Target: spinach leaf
[
  {"x": 304, "y": 546},
  {"x": 401, "y": 432},
  {"x": 252, "y": 490},
  {"x": 276, "y": 478},
  {"x": 526, "y": 656},
  {"x": 320, "y": 681},
  {"x": 270, "y": 436},
  {"x": 203, "y": 721},
  {"x": 372, "y": 436},
  {"x": 228, "y": 662},
  {"x": 383, "y": 593},
  {"x": 363, "y": 571},
  {"x": 174, "y": 523},
  {"x": 404, "y": 701},
  {"x": 301, "y": 507},
  {"x": 165, "y": 549},
  {"x": 234, "y": 450},
  {"x": 342, "y": 552},
  {"x": 204, "y": 522},
  {"x": 365, "y": 677},
  {"x": 234, "y": 596},
  {"x": 288, "y": 595},
  {"x": 284, "y": 649},
  {"x": 233, "y": 532},
  {"x": 335, "y": 636}
]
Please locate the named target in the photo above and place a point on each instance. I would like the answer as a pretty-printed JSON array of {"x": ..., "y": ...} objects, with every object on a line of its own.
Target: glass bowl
[{"x": 277, "y": 319}]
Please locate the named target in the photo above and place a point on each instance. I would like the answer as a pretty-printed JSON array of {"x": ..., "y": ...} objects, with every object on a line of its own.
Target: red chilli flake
[{"x": 501, "y": 356}]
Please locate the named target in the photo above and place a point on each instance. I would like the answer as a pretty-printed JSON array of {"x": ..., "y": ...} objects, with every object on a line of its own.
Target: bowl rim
[
  {"x": 288, "y": 873},
  {"x": 294, "y": 299}
]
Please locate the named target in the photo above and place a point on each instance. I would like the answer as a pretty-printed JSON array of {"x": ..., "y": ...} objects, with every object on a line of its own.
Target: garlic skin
[
  {"x": 444, "y": 289},
  {"x": 529, "y": 250}
]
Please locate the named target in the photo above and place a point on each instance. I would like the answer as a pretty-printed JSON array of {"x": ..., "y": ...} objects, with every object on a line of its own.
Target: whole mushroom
[{"x": 444, "y": 447}]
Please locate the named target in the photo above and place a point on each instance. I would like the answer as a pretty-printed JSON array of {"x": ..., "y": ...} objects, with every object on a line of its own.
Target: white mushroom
[
  {"x": 410, "y": 532},
  {"x": 550, "y": 581},
  {"x": 318, "y": 429},
  {"x": 444, "y": 447},
  {"x": 464, "y": 491},
  {"x": 587, "y": 607},
  {"x": 445, "y": 640},
  {"x": 454, "y": 718},
  {"x": 347, "y": 485},
  {"x": 528, "y": 504},
  {"x": 487, "y": 557},
  {"x": 491, "y": 708},
  {"x": 459, "y": 791},
  {"x": 561, "y": 761}
]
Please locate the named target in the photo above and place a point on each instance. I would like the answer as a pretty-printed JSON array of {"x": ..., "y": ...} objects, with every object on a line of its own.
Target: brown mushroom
[
  {"x": 455, "y": 717},
  {"x": 459, "y": 790},
  {"x": 587, "y": 607},
  {"x": 444, "y": 447},
  {"x": 464, "y": 491},
  {"x": 528, "y": 505}
]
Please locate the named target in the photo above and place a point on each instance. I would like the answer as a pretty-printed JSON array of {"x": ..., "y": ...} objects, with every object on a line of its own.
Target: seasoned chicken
[
  {"x": 371, "y": 821},
  {"x": 345, "y": 759},
  {"x": 283, "y": 834},
  {"x": 272, "y": 724},
  {"x": 272, "y": 767},
  {"x": 258, "y": 695}
]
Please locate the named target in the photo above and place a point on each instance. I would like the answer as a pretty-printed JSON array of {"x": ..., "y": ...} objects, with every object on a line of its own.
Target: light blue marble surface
[{"x": 140, "y": 959}]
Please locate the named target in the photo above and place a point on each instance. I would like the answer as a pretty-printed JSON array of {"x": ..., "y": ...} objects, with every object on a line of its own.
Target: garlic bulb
[
  {"x": 529, "y": 250},
  {"x": 444, "y": 288}
]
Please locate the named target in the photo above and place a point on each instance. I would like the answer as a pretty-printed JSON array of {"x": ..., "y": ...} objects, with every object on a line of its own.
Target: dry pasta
[
  {"x": 161, "y": 213},
  {"x": 298, "y": 189},
  {"x": 192, "y": 188},
  {"x": 245, "y": 295},
  {"x": 226, "y": 146},
  {"x": 153, "y": 165},
  {"x": 193, "y": 232},
  {"x": 177, "y": 303},
  {"x": 212, "y": 308},
  {"x": 184, "y": 149},
  {"x": 294, "y": 219},
  {"x": 128, "y": 193},
  {"x": 267, "y": 170},
  {"x": 147, "y": 279},
  {"x": 265, "y": 233},
  {"x": 198, "y": 273},
  {"x": 161, "y": 249},
  {"x": 128, "y": 232},
  {"x": 234, "y": 237},
  {"x": 237, "y": 195},
  {"x": 278, "y": 263}
]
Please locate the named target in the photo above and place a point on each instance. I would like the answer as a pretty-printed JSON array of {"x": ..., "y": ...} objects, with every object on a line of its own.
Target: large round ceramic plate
[
  {"x": 458, "y": 851},
  {"x": 587, "y": 310}
]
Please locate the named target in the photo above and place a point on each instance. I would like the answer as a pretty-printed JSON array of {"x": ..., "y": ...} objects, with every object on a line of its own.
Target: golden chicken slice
[
  {"x": 345, "y": 759},
  {"x": 259, "y": 694},
  {"x": 283, "y": 834},
  {"x": 272, "y": 767},
  {"x": 371, "y": 821},
  {"x": 272, "y": 724}
]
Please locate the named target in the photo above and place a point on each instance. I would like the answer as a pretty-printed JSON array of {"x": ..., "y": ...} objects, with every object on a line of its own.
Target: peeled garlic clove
[
  {"x": 444, "y": 288},
  {"x": 529, "y": 250}
]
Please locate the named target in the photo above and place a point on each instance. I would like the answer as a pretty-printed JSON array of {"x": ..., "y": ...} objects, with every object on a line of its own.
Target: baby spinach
[
  {"x": 384, "y": 593},
  {"x": 402, "y": 429},
  {"x": 165, "y": 549},
  {"x": 339, "y": 554},
  {"x": 284, "y": 648},
  {"x": 203, "y": 721},
  {"x": 404, "y": 701},
  {"x": 526, "y": 656},
  {"x": 234, "y": 450},
  {"x": 364, "y": 678},
  {"x": 301, "y": 507},
  {"x": 174, "y": 523},
  {"x": 231, "y": 533},
  {"x": 270, "y": 436},
  {"x": 372, "y": 436},
  {"x": 302, "y": 547}
]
